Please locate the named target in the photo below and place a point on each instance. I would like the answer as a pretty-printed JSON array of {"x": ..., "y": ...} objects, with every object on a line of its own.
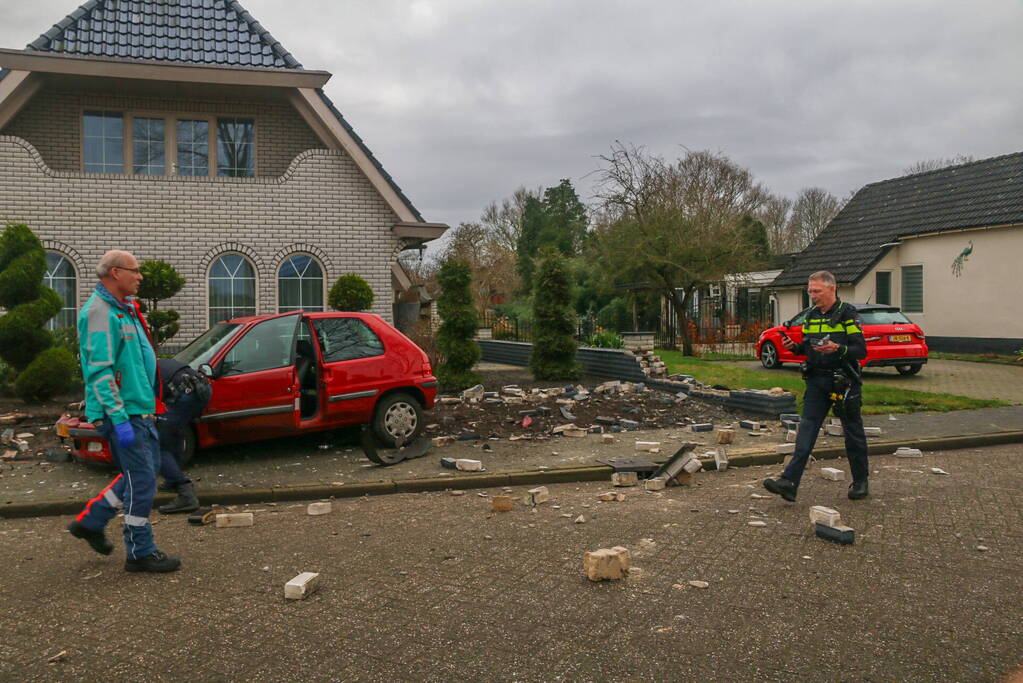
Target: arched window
[
  {"x": 60, "y": 277},
  {"x": 232, "y": 284},
  {"x": 300, "y": 284}
]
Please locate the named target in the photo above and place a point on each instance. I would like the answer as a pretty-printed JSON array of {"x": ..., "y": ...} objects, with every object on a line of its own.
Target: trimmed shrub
[
  {"x": 47, "y": 376},
  {"x": 28, "y": 303},
  {"x": 350, "y": 293},
  {"x": 455, "y": 338},
  {"x": 554, "y": 345},
  {"x": 159, "y": 281}
]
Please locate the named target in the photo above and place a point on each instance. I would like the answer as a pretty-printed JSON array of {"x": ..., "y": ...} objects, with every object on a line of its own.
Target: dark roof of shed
[
  {"x": 982, "y": 193},
  {"x": 210, "y": 32}
]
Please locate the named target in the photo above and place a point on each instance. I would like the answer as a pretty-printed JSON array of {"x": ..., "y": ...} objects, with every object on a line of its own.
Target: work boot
[
  {"x": 858, "y": 490},
  {"x": 166, "y": 487},
  {"x": 185, "y": 501},
  {"x": 157, "y": 562},
  {"x": 782, "y": 487},
  {"x": 97, "y": 540}
]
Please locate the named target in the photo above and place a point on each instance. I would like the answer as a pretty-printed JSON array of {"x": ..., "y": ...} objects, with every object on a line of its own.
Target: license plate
[
  {"x": 62, "y": 430},
  {"x": 94, "y": 447},
  {"x": 900, "y": 337}
]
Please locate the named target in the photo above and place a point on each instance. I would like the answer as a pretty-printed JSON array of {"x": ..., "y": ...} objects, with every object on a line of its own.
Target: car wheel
[
  {"x": 908, "y": 369},
  {"x": 398, "y": 420},
  {"x": 769, "y": 356},
  {"x": 188, "y": 452}
]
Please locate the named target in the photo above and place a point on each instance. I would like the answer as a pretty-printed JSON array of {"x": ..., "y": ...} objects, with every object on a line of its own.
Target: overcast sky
[{"x": 465, "y": 100}]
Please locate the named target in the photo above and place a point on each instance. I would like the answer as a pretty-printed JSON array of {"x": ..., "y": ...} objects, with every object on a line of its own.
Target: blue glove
[{"x": 125, "y": 434}]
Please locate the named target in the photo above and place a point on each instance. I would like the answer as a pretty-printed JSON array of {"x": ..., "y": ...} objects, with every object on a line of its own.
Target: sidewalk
[{"x": 435, "y": 587}]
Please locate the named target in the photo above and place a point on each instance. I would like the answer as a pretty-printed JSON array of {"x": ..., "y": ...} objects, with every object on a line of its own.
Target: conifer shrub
[
  {"x": 455, "y": 338},
  {"x": 49, "y": 375},
  {"x": 350, "y": 293},
  {"x": 554, "y": 344}
]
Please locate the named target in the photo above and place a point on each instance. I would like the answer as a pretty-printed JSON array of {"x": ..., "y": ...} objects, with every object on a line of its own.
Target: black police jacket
[{"x": 842, "y": 325}]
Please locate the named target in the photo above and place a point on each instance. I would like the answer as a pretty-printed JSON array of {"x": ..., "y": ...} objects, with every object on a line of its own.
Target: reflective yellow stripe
[{"x": 852, "y": 329}]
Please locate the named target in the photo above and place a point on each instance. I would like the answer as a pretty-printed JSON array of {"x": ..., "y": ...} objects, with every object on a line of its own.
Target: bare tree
[
  {"x": 505, "y": 220},
  {"x": 677, "y": 225},
  {"x": 935, "y": 164},
  {"x": 491, "y": 263},
  {"x": 812, "y": 211},
  {"x": 775, "y": 216}
]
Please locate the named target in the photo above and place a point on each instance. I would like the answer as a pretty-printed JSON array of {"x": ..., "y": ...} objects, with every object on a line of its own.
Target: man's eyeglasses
[{"x": 134, "y": 270}]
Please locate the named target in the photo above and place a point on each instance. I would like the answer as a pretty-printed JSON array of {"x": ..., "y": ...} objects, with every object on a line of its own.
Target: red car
[
  {"x": 892, "y": 340},
  {"x": 297, "y": 372}
]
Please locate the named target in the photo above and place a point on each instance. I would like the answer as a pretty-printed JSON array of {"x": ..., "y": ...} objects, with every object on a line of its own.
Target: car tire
[
  {"x": 769, "y": 356},
  {"x": 188, "y": 452},
  {"x": 397, "y": 417},
  {"x": 908, "y": 369}
]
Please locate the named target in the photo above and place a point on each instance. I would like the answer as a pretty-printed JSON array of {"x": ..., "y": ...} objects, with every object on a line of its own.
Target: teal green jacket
[{"x": 118, "y": 361}]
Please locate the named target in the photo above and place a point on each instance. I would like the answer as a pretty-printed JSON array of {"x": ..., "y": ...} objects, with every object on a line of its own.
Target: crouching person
[
  {"x": 119, "y": 369},
  {"x": 185, "y": 393}
]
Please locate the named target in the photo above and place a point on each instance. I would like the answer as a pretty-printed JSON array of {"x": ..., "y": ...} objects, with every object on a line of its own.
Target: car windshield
[
  {"x": 203, "y": 349},
  {"x": 884, "y": 317}
]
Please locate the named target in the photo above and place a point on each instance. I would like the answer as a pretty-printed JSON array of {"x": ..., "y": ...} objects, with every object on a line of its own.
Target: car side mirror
[
  {"x": 787, "y": 323},
  {"x": 206, "y": 369}
]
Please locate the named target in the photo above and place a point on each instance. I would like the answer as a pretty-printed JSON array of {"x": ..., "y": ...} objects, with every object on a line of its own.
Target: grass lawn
[
  {"x": 977, "y": 357},
  {"x": 877, "y": 399}
]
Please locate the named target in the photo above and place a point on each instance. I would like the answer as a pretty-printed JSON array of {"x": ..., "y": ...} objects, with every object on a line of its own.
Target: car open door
[
  {"x": 355, "y": 368},
  {"x": 255, "y": 390}
]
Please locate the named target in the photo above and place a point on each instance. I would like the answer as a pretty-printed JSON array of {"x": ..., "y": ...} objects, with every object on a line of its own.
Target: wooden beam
[{"x": 16, "y": 89}]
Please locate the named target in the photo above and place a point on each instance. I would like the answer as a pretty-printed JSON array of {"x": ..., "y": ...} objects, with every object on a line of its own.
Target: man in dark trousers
[
  {"x": 185, "y": 393},
  {"x": 833, "y": 344}
]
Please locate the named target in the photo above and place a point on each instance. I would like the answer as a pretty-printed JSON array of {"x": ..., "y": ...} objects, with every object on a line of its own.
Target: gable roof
[
  {"x": 205, "y": 32},
  {"x": 982, "y": 193}
]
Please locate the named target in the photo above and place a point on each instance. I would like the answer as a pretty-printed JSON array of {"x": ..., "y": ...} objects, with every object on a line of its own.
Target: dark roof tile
[{"x": 977, "y": 194}]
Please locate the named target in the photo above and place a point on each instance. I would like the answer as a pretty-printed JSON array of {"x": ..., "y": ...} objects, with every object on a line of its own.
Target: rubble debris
[
  {"x": 234, "y": 519},
  {"x": 790, "y": 436},
  {"x": 501, "y": 503},
  {"x": 698, "y": 584},
  {"x": 575, "y": 432},
  {"x": 789, "y": 417},
  {"x": 456, "y": 492},
  {"x": 726, "y": 436},
  {"x": 581, "y": 519},
  {"x": 566, "y": 413},
  {"x": 938, "y": 470},
  {"x": 625, "y": 479},
  {"x": 537, "y": 495},
  {"x": 872, "y": 431},
  {"x": 837, "y": 534},
  {"x": 721, "y": 459},
  {"x": 606, "y": 564},
  {"x": 907, "y": 452},
  {"x": 611, "y": 497},
  {"x": 448, "y": 463},
  {"x": 832, "y": 474},
  {"x": 648, "y": 446},
  {"x": 628, "y": 424},
  {"x": 656, "y": 484},
  {"x": 607, "y": 438},
  {"x": 320, "y": 508},
  {"x": 834, "y": 430},
  {"x": 468, "y": 465},
  {"x": 785, "y": 448},
  {"x": 702, "y": 427},
  {"x": 749, "y": 424},
  {"x": 302, "y": 586},
  {"x": 15, "y": 418},
  {"x": 757, "y": 522},
  {"x": 57, "y": 657},
  {"x": 825, "y": 515},
  {"x": 441, "y": 441}
]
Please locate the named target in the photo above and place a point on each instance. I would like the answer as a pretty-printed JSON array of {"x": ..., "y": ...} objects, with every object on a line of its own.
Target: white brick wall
[{"x": 322, "y": 204}]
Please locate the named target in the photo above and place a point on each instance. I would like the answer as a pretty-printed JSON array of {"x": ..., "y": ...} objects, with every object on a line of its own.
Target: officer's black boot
[
  {"x": 858, "y": 490},
  {"x": 97, "y": 540},
  {"x": 186, "y": 501},
  {"x": 782, "y": 487}
]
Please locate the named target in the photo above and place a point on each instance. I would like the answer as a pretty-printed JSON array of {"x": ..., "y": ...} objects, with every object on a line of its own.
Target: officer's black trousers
[{"x": 816, "y": 404}]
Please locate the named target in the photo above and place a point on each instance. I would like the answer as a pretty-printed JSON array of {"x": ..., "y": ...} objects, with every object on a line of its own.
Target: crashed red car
[
  {"x": 292, "y": 373},
  {"x": 893, "y": 340}
]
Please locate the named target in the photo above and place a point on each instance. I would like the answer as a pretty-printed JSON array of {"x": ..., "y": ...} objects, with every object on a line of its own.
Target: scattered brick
[
  {"x": 501, "y": 503},
  {"x": 825, "y": 515},
  {"x": 537, "y": 495},
  {"x": 726, "y": 436},
  {"x": 234, "y": 519},
  {"x": 468, "y": 465},
  {"x": 625, "y": 479},
  {"x": 302, "y": 586},
  {"x": 837, "y": 534},
  {"x": 321, "y": 508},
  {"x": 606, "y": 564},
  {"x": 832, "y": 474}
]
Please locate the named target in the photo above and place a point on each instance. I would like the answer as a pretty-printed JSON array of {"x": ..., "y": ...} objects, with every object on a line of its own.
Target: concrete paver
[{"x": 433, "y": 586}]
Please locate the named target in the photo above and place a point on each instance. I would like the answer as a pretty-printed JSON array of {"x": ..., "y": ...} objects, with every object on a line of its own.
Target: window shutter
[
  {"x": 883, "y": 287},
  {"x": 913, "y": 289}
]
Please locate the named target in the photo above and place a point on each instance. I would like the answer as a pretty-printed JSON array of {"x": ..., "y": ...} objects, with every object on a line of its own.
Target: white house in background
[{"x": 946, "y": 246}]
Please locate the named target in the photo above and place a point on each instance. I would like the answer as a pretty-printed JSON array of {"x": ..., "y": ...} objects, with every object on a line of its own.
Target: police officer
[
  {"x": 185, "y": 393},
  {"x": 833, "y": 344}
]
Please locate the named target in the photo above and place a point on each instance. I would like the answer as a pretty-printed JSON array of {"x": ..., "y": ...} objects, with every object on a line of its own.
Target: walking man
[
  {"x": 119, "y": 369},
  {"x": 833, "y": 344}
]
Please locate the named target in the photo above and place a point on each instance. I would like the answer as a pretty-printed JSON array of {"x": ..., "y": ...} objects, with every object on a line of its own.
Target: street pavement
[
  {"x": 965, "y": 378},
  {"x": 434, "y": 586}
]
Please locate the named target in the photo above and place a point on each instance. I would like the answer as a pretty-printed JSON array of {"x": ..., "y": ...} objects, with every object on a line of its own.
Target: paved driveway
[
  {"x": 435, "y": 587},
  {"x": 977, "y": 380}
]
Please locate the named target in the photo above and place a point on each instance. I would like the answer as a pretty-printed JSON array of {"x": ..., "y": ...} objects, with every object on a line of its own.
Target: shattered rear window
[{"x": 346, "y": 339}]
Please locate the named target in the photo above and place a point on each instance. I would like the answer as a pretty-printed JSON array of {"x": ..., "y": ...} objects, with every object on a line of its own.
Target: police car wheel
[
  {"x": 769, "y": 356},
  {"x": 908, "y": 369}
]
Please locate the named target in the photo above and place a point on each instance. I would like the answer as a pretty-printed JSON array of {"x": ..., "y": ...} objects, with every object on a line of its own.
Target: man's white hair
[
  {"x": 111, "y": 259},
  {"x": 823, "y": 276}
]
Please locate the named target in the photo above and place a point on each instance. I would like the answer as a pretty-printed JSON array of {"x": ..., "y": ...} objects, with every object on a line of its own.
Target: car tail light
[
  {"x": 873, "y": 338},
  {"x": 919, "y": 335}
]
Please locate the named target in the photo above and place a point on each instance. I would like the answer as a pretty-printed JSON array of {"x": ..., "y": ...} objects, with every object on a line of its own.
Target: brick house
[
  {"x": 945, "y": 245},
  {"x": 181, "y": 130}
]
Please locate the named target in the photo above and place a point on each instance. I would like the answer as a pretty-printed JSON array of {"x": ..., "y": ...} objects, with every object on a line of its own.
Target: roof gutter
[
  {"x": 74, "y": 65},
  {"x": 958, "y": 230}
]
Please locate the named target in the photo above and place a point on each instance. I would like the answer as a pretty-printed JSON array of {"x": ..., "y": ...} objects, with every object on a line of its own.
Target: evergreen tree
[
  {"x": 160, "y": 281},
  {"x": 558, "y": 221},
  {"x": 459, "y": 322},
  {"x": 554, "y": 344}
]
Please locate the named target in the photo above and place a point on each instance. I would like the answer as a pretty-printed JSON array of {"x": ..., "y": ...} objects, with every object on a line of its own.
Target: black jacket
[{"x": 842, "y": 325}]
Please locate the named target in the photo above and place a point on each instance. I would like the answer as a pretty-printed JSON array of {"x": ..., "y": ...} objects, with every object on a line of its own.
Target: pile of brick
[{"x": 649, "y": 362}]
